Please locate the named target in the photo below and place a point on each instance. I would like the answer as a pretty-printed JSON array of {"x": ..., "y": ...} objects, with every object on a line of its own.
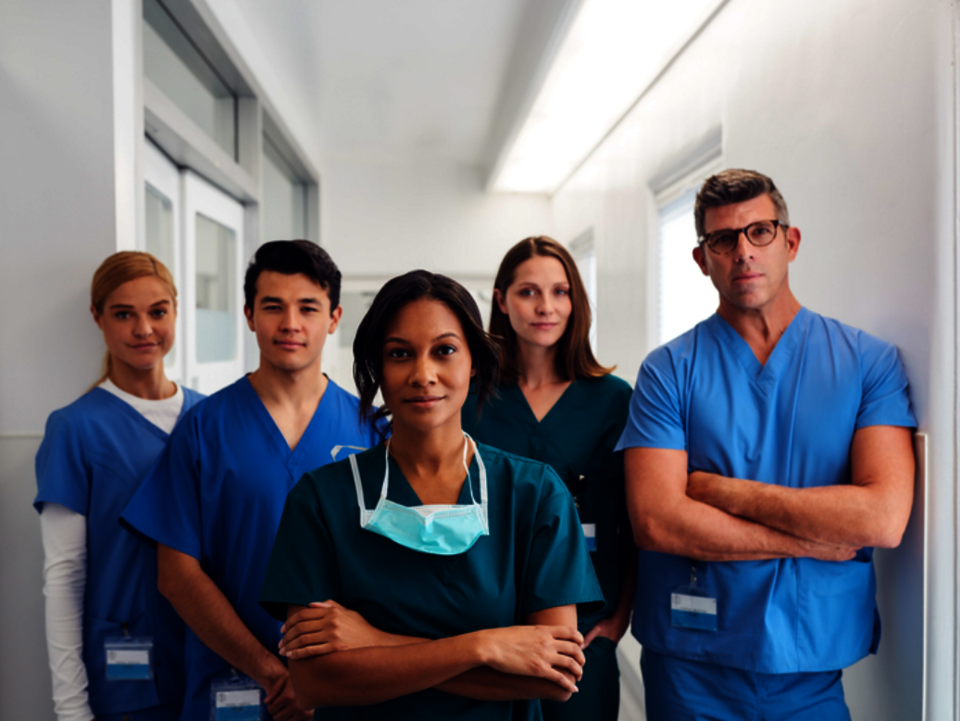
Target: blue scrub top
[
  {"x": 789, "y": 422},
  {"x": 576, "y": 437},
  {"x": 93, "y": 456},
  {"x": 533, "y": 559},
  {"x": 217, "y": 495}
]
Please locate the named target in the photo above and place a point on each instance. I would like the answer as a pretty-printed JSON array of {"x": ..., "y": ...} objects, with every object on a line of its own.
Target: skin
[
  {"x": 709, "y": 517},
  {"x": 538, "y": 305},
  {"x": 139, "y": 327},
  {"x": 336, "y": 658},
  {"x": 291, "y": 317}
]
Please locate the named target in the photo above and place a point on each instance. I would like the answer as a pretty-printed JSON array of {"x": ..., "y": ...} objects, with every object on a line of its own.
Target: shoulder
[
  {"x": 608, "y": 386},
  {"x": 525, "y": 474},
  {"x": 90, "y": 409},
  {"x": 191, "y": 397},
  {"x": 868, "y": 348}
]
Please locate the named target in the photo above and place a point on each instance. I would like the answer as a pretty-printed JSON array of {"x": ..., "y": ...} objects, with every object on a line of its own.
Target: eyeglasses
[{"x": 759, "y": 234}]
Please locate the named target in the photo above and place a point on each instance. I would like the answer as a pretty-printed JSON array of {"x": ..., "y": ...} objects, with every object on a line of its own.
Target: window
[
  {"x": 685, "y": 295},
  {"x": 584, "y": 253},
  {"x": 284, "y": 196}
]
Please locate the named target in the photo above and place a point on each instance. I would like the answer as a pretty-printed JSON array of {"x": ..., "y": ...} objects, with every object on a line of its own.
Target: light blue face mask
[{"x": 438, "y": 529}]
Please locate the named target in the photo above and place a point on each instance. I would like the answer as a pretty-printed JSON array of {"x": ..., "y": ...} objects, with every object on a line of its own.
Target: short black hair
[
  {"x": 395, "y": 295},
  {"x": 291, "y": 257}
]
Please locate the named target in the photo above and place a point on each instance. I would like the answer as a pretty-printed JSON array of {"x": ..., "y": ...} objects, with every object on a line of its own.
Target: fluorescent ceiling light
[{"x": 612, "y": 52}]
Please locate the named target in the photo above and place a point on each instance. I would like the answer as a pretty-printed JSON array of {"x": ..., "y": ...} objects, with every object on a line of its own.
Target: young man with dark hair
[
  {"x": 768, "y": 450},
  {"x": 213, "y": 503}
]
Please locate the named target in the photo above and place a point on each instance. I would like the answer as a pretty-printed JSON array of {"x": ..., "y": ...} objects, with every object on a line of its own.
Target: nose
[
  {"x": 291, "y": 320},
  {"x": 143, "y": 328},
  {"x": 544, "y": 304},
  {"x": 423, "y": 373},
  {"x": 743, "y": 249}
]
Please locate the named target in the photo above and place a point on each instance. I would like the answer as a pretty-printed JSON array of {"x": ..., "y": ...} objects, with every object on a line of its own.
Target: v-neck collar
[
  {"x": 137, "y": 416},
  {"x": 764, "y": 376},
  {"x": 568, "y": 393},
  {"x": 402, "y": 492},
  {"x": 292, "y": 457}
]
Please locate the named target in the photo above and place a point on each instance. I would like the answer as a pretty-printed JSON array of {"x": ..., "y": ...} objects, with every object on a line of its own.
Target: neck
[
  {"x": 433, "y": 457},
  {"x": 762, "y": 327},
  {"x": 302, "y": 387},
  {"x": 151, "y": 384},
  {"x": 537, "y": 365}
]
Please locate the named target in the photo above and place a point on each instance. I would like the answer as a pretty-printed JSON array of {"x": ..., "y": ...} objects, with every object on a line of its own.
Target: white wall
[
  {"x": 847, "y": 105},
  {"x": 58, "y": 220}
]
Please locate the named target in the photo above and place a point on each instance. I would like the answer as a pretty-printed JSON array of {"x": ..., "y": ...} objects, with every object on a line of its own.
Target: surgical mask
[{"x": 442, "y": 530}]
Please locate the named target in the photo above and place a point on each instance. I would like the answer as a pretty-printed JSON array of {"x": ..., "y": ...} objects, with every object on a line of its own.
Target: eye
[
  {"x": 397, "y": 352},
  {"x": 525, "y": 292},
  {"x": 121, "y": 315},
  {"x": 308, "y": 309},
  {"x": 445, "y": 349},
  {"x": 562, "y": 291},
  {"x": 159, "y": 313}
]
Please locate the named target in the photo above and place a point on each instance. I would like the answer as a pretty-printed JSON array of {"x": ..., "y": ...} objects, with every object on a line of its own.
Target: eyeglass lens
[{"x": 759, "y": 234}]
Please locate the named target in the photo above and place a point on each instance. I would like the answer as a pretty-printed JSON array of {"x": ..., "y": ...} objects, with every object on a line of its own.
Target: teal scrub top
[
  {"x": 533, "y": 559},
  {"x": 577, "y": 438}
]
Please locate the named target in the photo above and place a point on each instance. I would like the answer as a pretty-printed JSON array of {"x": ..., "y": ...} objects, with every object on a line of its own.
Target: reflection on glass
[
  {"x": 216, "y": 291},
  {"x": 174, "y": 65},
  {"x": 284, "y": 197},
  {"x": 159, "y": 220}
]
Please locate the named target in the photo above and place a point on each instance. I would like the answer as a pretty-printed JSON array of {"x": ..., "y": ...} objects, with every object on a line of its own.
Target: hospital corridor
[{"x": 703, "y": 247}]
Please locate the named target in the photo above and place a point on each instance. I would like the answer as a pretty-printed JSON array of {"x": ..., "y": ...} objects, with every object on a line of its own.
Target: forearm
[
  {"x": 844, "y": 515},
  {"x": 487, "y": 684},
  {"x": 210, "y": 615},
  {"x": 363, "y": 676},
  {"x": 64, "y": 535}
]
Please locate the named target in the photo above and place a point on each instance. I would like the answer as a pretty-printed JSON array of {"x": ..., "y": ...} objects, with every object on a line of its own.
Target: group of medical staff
[
  {"x": 487, "y": 507},
  {"x": 463, "y": 550}
]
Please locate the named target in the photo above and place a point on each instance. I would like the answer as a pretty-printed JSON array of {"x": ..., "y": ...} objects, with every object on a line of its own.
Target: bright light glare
[{"x": 609, "y": 56}]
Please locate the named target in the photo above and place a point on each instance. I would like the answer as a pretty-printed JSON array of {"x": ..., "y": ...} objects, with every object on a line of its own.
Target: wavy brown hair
[
  {"x": 574, "y": 357},
  {"x": 116, "y": 270}
]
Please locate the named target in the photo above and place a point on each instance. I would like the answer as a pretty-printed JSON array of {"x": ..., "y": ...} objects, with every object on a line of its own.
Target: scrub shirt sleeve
[
  {"x": 885, "y": 400},
  {"x": 303, "y": 564},
  {"x": 63, "y": 475},
  {"x": 559, "y": 571},
  {"x": 655, "y": 419},
  {"x": 166, "y": 506}
]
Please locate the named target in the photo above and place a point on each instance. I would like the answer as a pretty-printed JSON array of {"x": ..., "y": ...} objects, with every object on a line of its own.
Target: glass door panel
[
  {"x": 214, "y": 284},
  {"x": 163, "y": 236}
]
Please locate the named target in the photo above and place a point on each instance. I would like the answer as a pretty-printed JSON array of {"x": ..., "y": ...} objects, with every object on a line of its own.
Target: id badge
[
  {"x": 590, "y": 535},
  {"x": 129, "y": 659},
  {"x": 236, "y": 698},
  {"x": 690, "y": 607}
]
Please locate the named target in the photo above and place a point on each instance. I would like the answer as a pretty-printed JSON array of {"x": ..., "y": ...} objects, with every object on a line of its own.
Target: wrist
[
  {"x": 269, "y": 670},
  {"x": 482, "y": 649}
]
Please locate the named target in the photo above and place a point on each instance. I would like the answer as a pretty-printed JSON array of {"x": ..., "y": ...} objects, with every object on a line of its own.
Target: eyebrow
[
  {"x": 398, "y": 339},
  {"x": 274, "y": 299},
  {"x": 124, "y": 306}
]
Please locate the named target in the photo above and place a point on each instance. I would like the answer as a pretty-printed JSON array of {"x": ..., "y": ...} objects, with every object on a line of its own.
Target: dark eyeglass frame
[{"x": 705, "y": 239}]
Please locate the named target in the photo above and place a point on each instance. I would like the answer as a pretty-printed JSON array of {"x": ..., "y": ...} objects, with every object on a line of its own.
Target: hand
[
  {"x": 281, "y": 702},
  {"x": 549, "y": 652},
  {"x": 326, "y": 627},
  {"x": 610, "y": 627}
]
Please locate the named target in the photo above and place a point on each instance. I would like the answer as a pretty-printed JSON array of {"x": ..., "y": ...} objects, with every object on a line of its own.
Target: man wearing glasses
[{"x": 768, "y": 451}]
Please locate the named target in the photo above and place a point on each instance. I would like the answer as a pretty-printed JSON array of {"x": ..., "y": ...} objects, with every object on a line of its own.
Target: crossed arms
[{"x": 709, "y": 517}]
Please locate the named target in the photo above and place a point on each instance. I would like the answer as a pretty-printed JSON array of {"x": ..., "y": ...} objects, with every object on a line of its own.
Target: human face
[
  {"x": 538, "y": 301},
  {"x": 292, "y": 319},
  {"x": 138, "y": 322},
  {"x": 427, "y": 367},
  {"x": 748, "y": 278}
]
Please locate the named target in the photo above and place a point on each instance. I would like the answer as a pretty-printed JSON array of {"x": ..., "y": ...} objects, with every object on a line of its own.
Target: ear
[
  {"x": 96, "y": 316},
  {"x": 500, "y": 301},
  {"x": 793, "y": 241},
  {"x": 335, "y": 317},
  {"x": 701, "y": 259},
  {"x": 248, "y": 314}
]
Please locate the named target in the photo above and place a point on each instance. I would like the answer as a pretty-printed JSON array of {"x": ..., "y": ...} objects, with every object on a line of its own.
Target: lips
[
  {"x": 423, "y": 401},
  {"x": 289, "y": 344},
  {"x": 544, "y": 326}
]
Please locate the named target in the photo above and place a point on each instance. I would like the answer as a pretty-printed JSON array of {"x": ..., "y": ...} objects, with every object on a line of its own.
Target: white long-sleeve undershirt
[{"x": 64, "y": 534}]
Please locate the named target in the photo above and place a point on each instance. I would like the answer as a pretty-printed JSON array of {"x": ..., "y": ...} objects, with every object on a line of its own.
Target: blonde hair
[{"x": 118, "y": 269}]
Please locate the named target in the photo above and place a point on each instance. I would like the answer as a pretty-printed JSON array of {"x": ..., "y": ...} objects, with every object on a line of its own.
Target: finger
[
  {"x": 591, "y": 634},
  {"x": 573, "y": 651},
  {"x": 324, "y": 604},
  {"x": 308, "y": 639},
  {"x": 311, "y": 651},
  {"x": 307, "y": 614},
  {"x": 562, "y": 680},
  {"x": 569, "y": 665}
]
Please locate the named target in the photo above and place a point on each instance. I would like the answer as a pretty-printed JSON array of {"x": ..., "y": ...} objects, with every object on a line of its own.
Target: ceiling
[{"x": 399, "y": 79}]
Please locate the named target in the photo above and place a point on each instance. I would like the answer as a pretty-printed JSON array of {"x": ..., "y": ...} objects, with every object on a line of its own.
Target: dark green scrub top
[
  {"x": 534, "y": 559},
  {"x": 577, "y": 438}
]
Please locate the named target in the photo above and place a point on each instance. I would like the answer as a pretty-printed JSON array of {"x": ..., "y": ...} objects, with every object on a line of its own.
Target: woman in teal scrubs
[
  {"x": 557, "y": 404},
  {"x": 430, "y": 576}
]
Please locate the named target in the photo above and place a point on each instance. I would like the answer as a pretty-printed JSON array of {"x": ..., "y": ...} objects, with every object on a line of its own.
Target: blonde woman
[{"x": 99, "y": 580}]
